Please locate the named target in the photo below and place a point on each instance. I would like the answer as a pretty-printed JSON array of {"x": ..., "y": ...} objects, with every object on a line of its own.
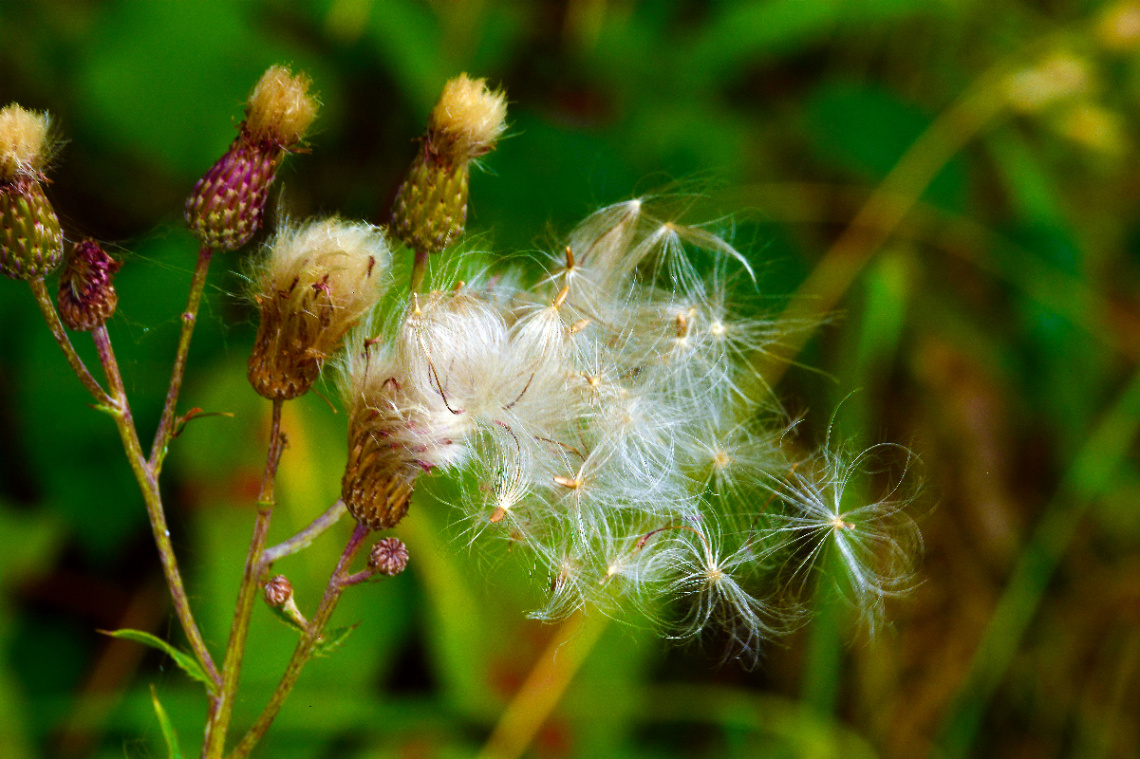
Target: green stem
[
  {"x": 305, "y": 647},
  {"x": 305, "y": 537},
  {"x": 148, "y": 484},
  {"x": 189, "y": 319},
  {"x": 419, "y": 269},
  {"x": 47, "y": 308},
  {"x": 247, "y": 595}
]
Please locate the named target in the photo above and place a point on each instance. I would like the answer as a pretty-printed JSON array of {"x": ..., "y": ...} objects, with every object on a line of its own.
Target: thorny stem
[
  {"x": 419, "y": 269},
  {"x": 47, "y": 308},
  {"x": 305, "y": 537},
  {"x": 189, "y": 319},
  {"x": 247, "y": 595},
  {"x": 305, "y": 647},
  {"x": 148, "y": 484}
]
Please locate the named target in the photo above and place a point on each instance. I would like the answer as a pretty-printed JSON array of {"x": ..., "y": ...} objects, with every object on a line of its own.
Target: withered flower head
[
  {"x": 87, "y": 297},
  {"x": 313, "y": 284}
]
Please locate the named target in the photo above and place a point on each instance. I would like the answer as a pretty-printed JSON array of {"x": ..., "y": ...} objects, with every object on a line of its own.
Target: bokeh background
[{"x": 952, "y": 183}]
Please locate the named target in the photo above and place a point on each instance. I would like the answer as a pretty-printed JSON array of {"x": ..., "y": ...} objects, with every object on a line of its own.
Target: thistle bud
[
  {"x": 227, "y": 204},
  {"x": 278, "y": 591},
  {"x": 431, "y": 205},
  {"x": 388, "y": 557},
  {"x": 315, "y": 282},
  {"x": 31, "y": 243},
  {"x": 87, "y": 297}
]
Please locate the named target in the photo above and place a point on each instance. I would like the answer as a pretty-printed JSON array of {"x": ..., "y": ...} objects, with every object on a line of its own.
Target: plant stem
[
  {"x": 250, "y": 584},
  {"x": 544, "y": 686},
  {"x": 189, "y": 319},
  {"x": 148, "y": 484},
  {"x": 305, "y": 537},
  {"x": 419, "y": 268},
  {"x": 47, "y": 308},
  {"x": 305, "y": 646}
]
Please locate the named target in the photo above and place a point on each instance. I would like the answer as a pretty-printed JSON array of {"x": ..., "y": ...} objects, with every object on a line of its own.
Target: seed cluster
[{"x": 610, "y": 425}]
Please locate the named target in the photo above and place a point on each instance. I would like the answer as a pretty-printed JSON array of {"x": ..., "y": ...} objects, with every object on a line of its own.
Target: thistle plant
[{"x": 605, "y": 417}]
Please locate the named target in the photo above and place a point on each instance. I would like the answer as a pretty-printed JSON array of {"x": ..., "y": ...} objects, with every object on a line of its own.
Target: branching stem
[
  {"x": 148, "y": 484},
  {"x": 247, "y": 595},
  {"x": 189, "y": 319},
  {"x": 306, "y": 646},
  {"x": 47, "y": 308}
]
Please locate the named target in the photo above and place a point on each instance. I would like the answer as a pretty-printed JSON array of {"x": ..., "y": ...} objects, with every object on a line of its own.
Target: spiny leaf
[
  {"x": 184, "y": 660},
  {"x": 168, "y": 733}
]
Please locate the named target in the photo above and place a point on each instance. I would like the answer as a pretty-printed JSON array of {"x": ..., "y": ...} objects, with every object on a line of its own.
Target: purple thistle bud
[{"x": 87, "y": 297}]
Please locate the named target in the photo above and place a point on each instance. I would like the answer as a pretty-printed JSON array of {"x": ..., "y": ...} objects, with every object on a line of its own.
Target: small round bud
[
  {"x": 278, "y": 591},
  {"x": 388, "y": 557},
  {"x": 31, "y": 242},
  {"x": 430, "y": 211},
  {"x": 87, "y": 297},
  {"x": 314, "y": 283},
  {"x": 227, "y": 204}
]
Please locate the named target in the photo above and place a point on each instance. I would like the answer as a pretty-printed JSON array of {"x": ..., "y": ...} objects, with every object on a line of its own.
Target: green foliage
[
  {"x": 993, "y": 329},
  {"x": 185, "y": 661}
]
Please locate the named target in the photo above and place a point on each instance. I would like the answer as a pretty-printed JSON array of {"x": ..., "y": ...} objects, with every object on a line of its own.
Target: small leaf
[
  {"x": 195, "y": 413},
  {"x": 332, "y": 640},
  {"x": 168, "y": 734},
  {"x": 184, "y": 660}
]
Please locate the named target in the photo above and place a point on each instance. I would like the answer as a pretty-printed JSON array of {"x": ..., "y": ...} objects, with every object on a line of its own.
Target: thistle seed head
[{"x": 314, "y": 282}]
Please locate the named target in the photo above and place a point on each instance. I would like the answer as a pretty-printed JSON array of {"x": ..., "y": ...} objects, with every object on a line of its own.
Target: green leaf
[
  {"x": 168, "y": 734},
  {"x": 184, "y": 660},
  {"x": 332, "y": 640}
]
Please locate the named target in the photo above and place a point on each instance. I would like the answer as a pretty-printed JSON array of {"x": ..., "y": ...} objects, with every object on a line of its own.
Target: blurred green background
[{"x": 952, "y": 181}]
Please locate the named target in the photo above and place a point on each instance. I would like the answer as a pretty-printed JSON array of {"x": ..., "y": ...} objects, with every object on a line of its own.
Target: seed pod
[
  {"x": 87, "y": 297},
  {"x": 227, "y": 204},
  {"x": 430, "y": 211},
  {"x": 31, "y": 242},
  {"x": 388, "y": 557},
  {"x": 278, "y": 591},
  {"x": 380, "y": 474},
  {"x": 314, "y": 283}
]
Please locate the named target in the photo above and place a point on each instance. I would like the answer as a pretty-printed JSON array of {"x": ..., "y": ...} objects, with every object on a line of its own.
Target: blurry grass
[{"x": 1002, "y": 286}]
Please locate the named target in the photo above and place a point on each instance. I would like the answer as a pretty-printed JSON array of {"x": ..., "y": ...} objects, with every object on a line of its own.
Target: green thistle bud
[
  {"x": 227, "y": 204},
  {"x": 31, "y": 243},
  {"x": 430, "y": 211},
  {"x": 87, "y": 297}
]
